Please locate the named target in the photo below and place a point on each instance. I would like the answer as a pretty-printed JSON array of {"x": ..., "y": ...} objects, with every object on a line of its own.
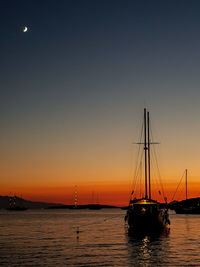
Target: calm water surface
[{"x": 48, "y": 238}]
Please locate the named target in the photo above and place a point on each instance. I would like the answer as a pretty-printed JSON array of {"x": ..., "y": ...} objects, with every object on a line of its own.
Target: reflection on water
[
  {"x": 49, "y": 238},
  {"x": 187, "y": 224},
  {"x": 146, "y": 250}
]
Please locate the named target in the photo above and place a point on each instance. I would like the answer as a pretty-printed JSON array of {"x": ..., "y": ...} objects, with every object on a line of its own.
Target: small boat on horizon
[{"x": 146, "y": 215}]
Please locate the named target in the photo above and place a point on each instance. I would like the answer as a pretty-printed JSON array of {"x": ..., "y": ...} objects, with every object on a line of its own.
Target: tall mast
[
  {"x": 186, "y": 183},
  {"x": 145, "y": 152},
  {"x": 149, "y": 166}
]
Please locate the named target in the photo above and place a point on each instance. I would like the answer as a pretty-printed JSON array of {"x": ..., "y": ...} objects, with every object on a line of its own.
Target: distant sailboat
[
  {"x": 187, "y": 206},
  {"x": 146, "y": 214}
]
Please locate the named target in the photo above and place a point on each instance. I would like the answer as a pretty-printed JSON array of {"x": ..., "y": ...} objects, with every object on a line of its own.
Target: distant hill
[
  {"x": 5, "y": 203},
  {"x": 190, "y": 202},
  {"x": 88, "y": 206}
]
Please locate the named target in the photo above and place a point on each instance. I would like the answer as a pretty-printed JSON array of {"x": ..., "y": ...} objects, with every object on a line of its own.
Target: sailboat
[
  {"x": 145, "y": 214},
  {"x": 187, "y": 206}
]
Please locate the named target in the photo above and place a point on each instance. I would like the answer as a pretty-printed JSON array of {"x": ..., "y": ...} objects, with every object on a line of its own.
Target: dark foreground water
[{"x": 48, "y": 238}]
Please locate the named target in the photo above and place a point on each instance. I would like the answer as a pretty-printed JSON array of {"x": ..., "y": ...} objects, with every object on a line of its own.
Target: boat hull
[
  {"x": 146, "y": 223},
  {"x": 145, "y": 215}
]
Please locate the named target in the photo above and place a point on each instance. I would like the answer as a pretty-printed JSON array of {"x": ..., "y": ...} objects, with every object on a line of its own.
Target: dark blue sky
[{"x": 80, "y": 47}]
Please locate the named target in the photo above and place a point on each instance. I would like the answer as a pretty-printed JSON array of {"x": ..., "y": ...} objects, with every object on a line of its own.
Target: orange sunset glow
[
  {"x": 101, "y": 166},
  {"x": 111, "y": 192},
  {"x": 102, "y": 169}
]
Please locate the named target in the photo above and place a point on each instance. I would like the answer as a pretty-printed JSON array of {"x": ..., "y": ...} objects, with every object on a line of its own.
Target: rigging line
[
  {"x": 178, "y": 186},
  {"x": 135, "y": 180},
  {"x": 137, "y": 158},
  {"x": 160, "y": 179},
  {"x": 180, "y": 192},
  {"x": 138, "y": 172},
  {"x": 137, "y": 184},
  {"x": 138, "y": 167},
  {"x": 156, "y": 168},
  {"x": 159, "y": 176},
  {"x": 140, "y": 180},
  {"x": 135, "y": 175},
  {"x": 131, "y": 169},
  {"x": 157, "y": 184}
]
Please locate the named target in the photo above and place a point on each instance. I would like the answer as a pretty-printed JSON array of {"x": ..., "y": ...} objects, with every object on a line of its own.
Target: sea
[{"x": 93, "y": 238}]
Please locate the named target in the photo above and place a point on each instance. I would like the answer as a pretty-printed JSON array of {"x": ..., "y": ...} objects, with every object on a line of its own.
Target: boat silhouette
[
  {"x": 145, "y": 214},
  {"x": 187, "y": 206}
]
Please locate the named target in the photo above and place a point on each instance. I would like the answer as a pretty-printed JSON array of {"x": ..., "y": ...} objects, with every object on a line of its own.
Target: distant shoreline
[
  {"x": 5, "y": 202},
  {"x": 87, "y": 206}
]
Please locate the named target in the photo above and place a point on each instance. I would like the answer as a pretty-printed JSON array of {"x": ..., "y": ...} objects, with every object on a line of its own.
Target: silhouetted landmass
[
  {"x": 20, "y": 202},
  {"x": 88, "y": 206},
  {"x": 124, "y": 208},
  {"x": 191, "y": 202}
]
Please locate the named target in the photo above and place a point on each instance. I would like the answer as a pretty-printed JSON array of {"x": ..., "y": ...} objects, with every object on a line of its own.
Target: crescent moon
[{"x": 25, "y": 29}]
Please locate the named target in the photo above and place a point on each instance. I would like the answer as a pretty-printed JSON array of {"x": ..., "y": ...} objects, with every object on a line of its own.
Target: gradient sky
[{"x": 73, "y": 89}]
